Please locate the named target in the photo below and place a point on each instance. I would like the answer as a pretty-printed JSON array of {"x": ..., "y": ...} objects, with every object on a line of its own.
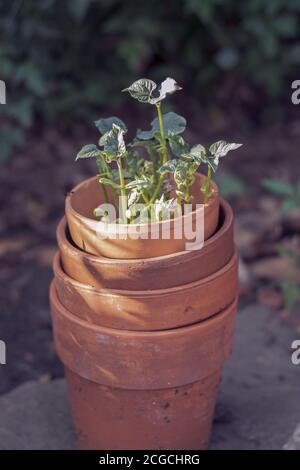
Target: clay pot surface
[
  {"x": 151, "y": 309},
  {"x": 151, "y": 273},
  {"x": 142, "y": 360},
  {"x": 142, "y": 390},
  {"x": 108, "y": 418},
  {"x": 87, "y": 233}
]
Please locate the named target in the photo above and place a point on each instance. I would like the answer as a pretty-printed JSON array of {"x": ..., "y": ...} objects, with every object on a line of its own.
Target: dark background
[{"x": 64, "y": 64}]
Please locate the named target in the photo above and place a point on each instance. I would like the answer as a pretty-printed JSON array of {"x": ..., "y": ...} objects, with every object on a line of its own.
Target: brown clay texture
[
  {"x": 108, "y": 418},
  {"x": 151, "y": 273},
  {"x": 143, "y": 341},
  {"x": 79, "y": 207},
  {"x": 151, "y": 309},
  {"x": 142, "y": 360}
]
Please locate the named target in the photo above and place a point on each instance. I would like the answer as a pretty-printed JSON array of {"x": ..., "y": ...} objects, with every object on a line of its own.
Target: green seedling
[{"x": 171, "y": 162}]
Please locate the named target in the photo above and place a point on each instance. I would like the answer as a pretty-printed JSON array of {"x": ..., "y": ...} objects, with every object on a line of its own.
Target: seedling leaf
[
  {"x": 221, "y": 148},
  {"x": 88, "y": 151},
  {"x": 142, "y": 90},
  {"x": 177, "y": 144},
  {"x": 167, "y": 87},
  {"x": 172, "y": 122},
  {"x": 105, "y": 124},
  {"x": 113, "y": 142}
]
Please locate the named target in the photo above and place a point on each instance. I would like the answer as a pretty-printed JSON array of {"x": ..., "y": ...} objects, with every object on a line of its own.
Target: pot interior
[
  {"x": 89, "y": 194},
  {"x": 222, "y": 215}
]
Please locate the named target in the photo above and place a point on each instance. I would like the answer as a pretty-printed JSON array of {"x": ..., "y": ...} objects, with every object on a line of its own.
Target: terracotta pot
[
  {"x": 109, "y": 418},
  {"x": 88, "y": 235},
  {"x": 150, "y": 309},
  {"x": 142, "y": 390},
  {"x": 151, "y": 273}
]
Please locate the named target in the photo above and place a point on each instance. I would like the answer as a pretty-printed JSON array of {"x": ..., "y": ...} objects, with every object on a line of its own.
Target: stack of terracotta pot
[{"x": 143, "y": 328}]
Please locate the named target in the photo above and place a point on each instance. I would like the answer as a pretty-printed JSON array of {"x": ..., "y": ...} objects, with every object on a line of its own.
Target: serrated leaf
[
  {"x": 105, "y": 124},
  {"x": 167, "y": 87},
  {"x": 221, "y": 148},
  {"x": 142, "y": 90},
  {"x": 88, "y": 151},
  {"x": 113, "y": 142},
  {"x": 177, "y": 144},
  {"x": 172, "y": 122},
  {"x": 278, "y": 187}
]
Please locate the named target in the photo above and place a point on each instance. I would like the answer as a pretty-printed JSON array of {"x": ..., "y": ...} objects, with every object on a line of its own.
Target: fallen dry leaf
[
  {"x": 245, "y": 278},
  {"x": 276, "y": 268},
  {"x": 270, "y": 297},
  {"x": 45, "y": 378},
  {"x": 9, "y": 245}
]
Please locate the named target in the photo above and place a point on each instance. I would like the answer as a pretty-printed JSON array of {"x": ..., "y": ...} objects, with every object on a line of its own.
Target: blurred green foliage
[
  {"x": 289, "y": 193},
  {"x": 62, "y": 57},
  {"x": 230, "y": 185}
]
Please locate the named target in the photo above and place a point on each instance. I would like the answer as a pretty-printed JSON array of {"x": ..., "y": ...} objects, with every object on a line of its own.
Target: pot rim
[
  {"x": 60, "y": 274},
  {"x": 146, "y": 334},
  {"x": 174, "y": 257},
  {"x": 88, "y": 220}
]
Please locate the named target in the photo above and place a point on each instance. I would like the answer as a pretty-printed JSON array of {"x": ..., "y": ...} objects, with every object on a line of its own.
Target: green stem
[
  {"x": 115, "y": 197},
  {"x": 178, "y": 205},
  {"x": 157, "y": 189},
  {"x": 122, "y": 189},
  {"x": 187, "y": 194},
  {"x": 162, "y": 134},
  {"x": 145, "y": 197},
  {"x": 164, "y": 152},
  {"x": 207, "y": 186},
  {"x": 105, "y": 195}
]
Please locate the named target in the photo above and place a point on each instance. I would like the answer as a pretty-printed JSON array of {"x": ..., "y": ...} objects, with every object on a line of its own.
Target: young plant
[{"x": 171, "y": 162}]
